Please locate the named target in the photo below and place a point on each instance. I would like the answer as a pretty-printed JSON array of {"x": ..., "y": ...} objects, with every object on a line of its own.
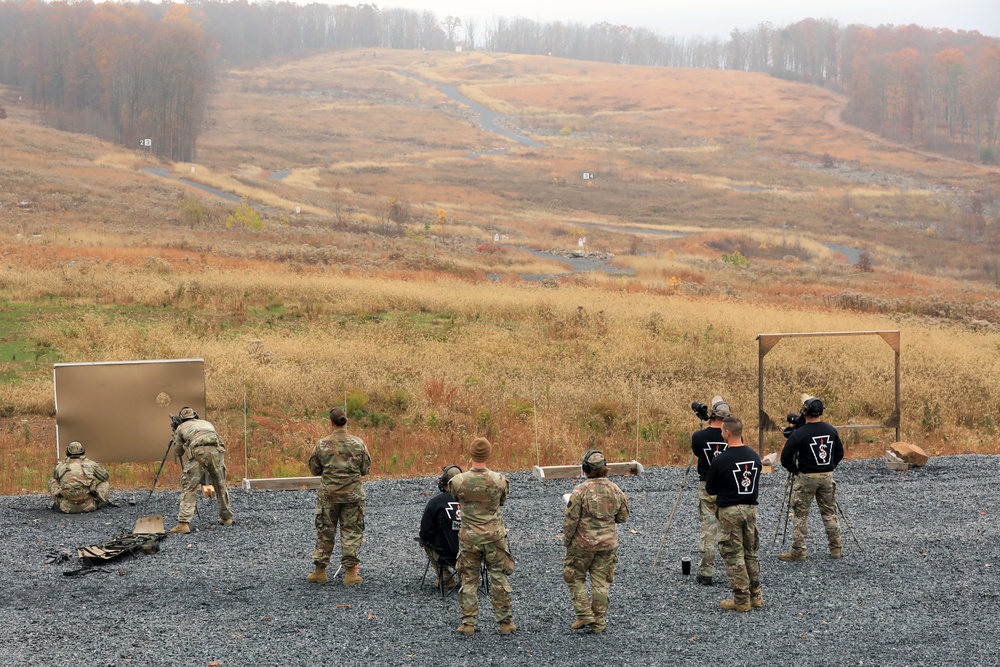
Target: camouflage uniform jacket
[
  {"x": 341, "y": 459},
  {"x": 480, "y": 493},
  {"x": 77, "y": 478},
  {"x": 195, "y": 433},
  {"x": 593, "y": 510}
]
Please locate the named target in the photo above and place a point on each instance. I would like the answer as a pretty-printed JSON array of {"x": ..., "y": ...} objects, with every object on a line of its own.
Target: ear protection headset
[
  {"x": 445, "y": 478},
  {"x": 586, "y": 464},
  {"x": 812, "y": 408}
]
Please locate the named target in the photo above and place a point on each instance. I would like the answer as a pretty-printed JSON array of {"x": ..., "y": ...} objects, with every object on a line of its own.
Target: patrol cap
[
  {"x": 596, "y": 461},
  {"x": 720, "y": 409}
]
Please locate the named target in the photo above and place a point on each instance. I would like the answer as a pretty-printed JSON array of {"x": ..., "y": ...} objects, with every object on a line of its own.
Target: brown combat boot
[
  {"x": 318, "y": 576},
  {"x": 467, "y": 630},
  {"x": 351, "y": 576},
  {"x": 581, "y": 623},
  {"x": 182, "y": 528},
  {"x": 732, "y": 605},
  {"x": 757, "y": 599},
  {"x": 792, "y": 555},
  {"x": 836, "y": 553},
  {"x": 507, "y": 628},
  {"x": 226, "y": 522}
]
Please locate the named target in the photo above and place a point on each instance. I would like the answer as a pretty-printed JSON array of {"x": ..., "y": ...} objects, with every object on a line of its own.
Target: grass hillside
[{"x": 388, "y": 253}]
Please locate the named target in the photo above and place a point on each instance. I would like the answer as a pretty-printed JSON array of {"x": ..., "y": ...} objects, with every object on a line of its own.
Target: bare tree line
[
  {"x": 125, "y": 73},
  {"x": 129, "y": 71}
]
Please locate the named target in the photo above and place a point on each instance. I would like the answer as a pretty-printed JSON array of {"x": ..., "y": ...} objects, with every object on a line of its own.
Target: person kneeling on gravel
[
  {"x": 199, "y": 448},
  {"x": 591, "y": 541},
  {"x": 733, "y": 479},
  {"x": 811, "y": 453},
  {"x": 78, "y": 484},
  {"x": 483, "y": 537},
  {"x": 340, "y": 460}
]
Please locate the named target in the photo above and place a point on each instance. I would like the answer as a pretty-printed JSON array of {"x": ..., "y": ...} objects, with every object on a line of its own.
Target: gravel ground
[{"x": 924, "y": 591}]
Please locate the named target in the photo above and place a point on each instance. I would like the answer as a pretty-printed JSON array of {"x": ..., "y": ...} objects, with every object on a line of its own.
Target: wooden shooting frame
[
  {"x": 543, "y": 473},
  {"x": 766, "y": 343},
  {"x": 281, "y": 483}
]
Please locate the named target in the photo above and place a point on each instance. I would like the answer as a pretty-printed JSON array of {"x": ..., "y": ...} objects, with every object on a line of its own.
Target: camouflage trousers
[
  {"x": 601, "y": 566},
  {"x": 210, "y": 459},
  {"x": 738, "y": 544},
  {"x": 351, "y": 518},
  {"x": 499, "y": 564},
  {"x": 441, "y": 564},
  {"x": 709, "y": 540},
  {"x": 822, "y": 486},
  {"x": 85, "y": 503}
]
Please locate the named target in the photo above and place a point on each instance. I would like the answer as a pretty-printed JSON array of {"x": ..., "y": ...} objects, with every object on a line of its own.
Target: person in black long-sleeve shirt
[
  {"x": 811, "y": 453},
  {"x": 734, "y": 480},
  {"x": 706, "y": 444},
  {"x": 439, "y": 528}
]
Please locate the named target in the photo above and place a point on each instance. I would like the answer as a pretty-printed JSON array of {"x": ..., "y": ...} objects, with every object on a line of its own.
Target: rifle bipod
[
  {"x": 673, "y": 511},
  {"x": 156, "y": 477}
]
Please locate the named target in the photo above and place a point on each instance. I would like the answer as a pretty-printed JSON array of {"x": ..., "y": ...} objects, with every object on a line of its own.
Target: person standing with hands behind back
[
  {"x": 340, "y": 460},
  {"x": 733, "y": 479},
  {"x": 591, "y": 540},
  {"x": 483, "y": 537}
]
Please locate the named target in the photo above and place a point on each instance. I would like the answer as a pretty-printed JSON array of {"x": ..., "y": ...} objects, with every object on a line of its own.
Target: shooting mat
[{"x": 121, "y": 410}]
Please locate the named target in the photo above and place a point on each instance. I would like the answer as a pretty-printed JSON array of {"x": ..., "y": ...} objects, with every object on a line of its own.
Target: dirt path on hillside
[
  {"x": 833, "y": 118},
  {"x": 485, "y": 118}
]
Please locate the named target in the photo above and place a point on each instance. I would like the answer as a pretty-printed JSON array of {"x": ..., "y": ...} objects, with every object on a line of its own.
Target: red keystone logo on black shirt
[{"x": 822, "y": 450}]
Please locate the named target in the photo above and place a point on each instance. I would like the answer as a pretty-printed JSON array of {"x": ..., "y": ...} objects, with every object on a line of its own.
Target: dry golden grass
[
  {"x": 231, "y": 185},
  {"x": 105, "y": 266},
  {"x": 453, "y": 359}
]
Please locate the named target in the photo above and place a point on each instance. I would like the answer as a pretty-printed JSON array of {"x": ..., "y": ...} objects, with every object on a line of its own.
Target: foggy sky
[{"x": 717, "y": 18}]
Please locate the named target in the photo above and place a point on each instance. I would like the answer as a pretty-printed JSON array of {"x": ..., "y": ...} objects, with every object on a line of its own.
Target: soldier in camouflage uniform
[
  {"x": 78, "y": 484},
  {"x": 481, "y": 492},
  {"x": 591, "y": 541},
  {"x": 811, "y": 454},
  {"x": 734, "y": 480},
  {"x": 341, "y": 460},
  {"x": 200, "y": 449}
]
